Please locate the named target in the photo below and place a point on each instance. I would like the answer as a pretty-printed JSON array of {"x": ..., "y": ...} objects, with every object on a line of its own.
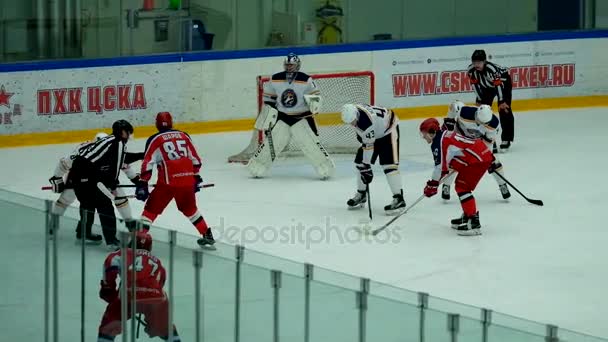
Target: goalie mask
[{"x": 292, "y": 63}]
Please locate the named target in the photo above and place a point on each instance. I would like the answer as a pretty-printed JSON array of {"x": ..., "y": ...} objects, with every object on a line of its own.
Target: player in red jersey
[
  {"x": 151, "y": 300},
  {"x": 471, "y": 158},
  {"x": 174, "y": 155}
]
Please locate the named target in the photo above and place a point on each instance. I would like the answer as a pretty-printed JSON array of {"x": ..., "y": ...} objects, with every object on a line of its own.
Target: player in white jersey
[
  {"x": 477, "y": 123},
  {"x": 378, "y": 132},
  {"x": 67, "y": 195},
  {"x": 291, "y": 99}
]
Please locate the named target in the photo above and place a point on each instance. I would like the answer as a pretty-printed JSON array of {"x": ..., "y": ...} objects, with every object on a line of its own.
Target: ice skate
[
  {"x": 504, "y": 146},
  {"x": 207, "y": 241},
  {"x": 445, "y": 192},
  {"x": 504, "y": 191},
  {"x": 89, "y": 239},
  {"x": 470, "y": 227},
  {"x": 396, "y": 206},
  {"x": 458, "y": 221},
  {"x": 358, "y": 201},
  {"x": 113, "y": 244}
]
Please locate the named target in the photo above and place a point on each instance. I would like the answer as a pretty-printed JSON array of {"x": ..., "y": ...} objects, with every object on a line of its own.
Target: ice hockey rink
[{"x": 547, "y": 264}]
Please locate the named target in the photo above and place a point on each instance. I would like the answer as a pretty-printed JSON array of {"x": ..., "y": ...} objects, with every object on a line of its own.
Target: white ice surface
[{"x": 547, "y": 264}]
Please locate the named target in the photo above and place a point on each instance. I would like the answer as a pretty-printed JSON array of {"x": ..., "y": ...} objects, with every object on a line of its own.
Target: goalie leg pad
[
  {"x": 259, "y": 164},
  {"x": 310, "y": 145}
]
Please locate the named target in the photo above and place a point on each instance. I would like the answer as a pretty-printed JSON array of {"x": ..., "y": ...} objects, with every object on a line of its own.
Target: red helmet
[
  {"x": 143, "y": 240},
  {"x": 430, "y": 125},
  {"x": 164, "y": 121}
]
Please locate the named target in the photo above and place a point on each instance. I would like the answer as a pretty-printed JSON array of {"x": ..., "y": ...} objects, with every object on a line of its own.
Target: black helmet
[
  {"x": 478, "y": 55},
  {"x": 121, "y": 125}
]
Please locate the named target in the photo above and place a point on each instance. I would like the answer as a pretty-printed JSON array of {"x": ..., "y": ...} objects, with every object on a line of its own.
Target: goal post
[{"x": 337, "y": 89}]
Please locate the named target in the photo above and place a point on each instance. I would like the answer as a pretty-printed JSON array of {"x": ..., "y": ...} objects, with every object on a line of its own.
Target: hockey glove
[
  {"x": 495, "y": 166},
  {"x": 198, "y": 181},
  {"x": 135, "y": 180},
  {"x": 57, "y": 183},
  {"x": 449, "y": 124},
  {"x": 365, "y": 170},
  {"x": 430, "y": 189},
  {"x": 141, "y": 191},
  {"x": 107, "y": 293}
]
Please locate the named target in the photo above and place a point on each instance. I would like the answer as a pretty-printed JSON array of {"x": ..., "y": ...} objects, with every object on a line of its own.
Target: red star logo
[{"x": 4, "y": 97}]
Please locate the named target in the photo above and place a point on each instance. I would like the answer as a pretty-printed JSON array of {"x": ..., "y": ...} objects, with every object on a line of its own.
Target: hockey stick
[
  {"x": 139, "y": 323},
  {"x": 208, "y": 185},
  {"x": 104, "y": 189},
  {"x": 530, "y": 200},
  {"x": 378, "y": 230},
  {"x": 369, "y": 202},
  {"x": 111, "y": 196}
]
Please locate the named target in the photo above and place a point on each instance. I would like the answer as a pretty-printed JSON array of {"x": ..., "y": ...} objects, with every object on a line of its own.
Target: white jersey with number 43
[{"x": 374, "y": 123}]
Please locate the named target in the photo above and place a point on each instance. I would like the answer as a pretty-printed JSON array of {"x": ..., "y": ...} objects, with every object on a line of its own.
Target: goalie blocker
[{"x": 291, "y": 98}]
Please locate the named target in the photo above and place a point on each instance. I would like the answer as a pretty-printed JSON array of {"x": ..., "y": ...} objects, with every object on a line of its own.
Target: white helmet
[
  {"x": 100, "y": 135},
  {"x": 454, "y": 109},
  {"x": 484, "y": 114},
  {"x": 350, "y": 113},
  {"x": 292, "y": 63}
]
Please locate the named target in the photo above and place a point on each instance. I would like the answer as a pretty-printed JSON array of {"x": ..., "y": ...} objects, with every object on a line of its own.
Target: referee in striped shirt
[
  {"x": 491, "y": 80},
  {"x": 100, "y": 161}
]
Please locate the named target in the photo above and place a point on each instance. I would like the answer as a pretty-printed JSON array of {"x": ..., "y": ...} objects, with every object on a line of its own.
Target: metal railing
[{"x": 231, "y": 294}]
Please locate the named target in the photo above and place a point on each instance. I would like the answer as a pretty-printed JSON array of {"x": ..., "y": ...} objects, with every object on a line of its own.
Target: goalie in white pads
[
  {"x": 291, "y": 98},
  {"x": 476, "y": 123},
  {"x": 378, "y": 132}
]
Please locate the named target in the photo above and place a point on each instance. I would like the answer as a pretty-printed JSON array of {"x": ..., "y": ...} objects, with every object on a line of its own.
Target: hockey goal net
[{"x": 336, "y": 89}]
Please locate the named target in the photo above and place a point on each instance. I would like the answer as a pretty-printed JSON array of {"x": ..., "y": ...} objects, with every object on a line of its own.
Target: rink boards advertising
[
  {"x": 212, "y": 94},
  {"x": 547, "y": 69}
]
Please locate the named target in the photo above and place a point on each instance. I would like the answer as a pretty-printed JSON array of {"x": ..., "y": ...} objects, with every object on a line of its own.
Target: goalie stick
[
  {"x": 268, "y": 133},
  {"x": 271, "y": 145}
]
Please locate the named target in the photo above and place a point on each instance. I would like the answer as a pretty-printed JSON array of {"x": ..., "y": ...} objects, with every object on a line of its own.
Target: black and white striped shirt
[
  {"x": 493, "y": 76},
  {"x": 100, "y": 160}
]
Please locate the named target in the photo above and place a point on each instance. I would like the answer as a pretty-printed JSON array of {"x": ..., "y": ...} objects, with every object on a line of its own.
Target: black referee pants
[
  {"x": 92, "y": 199},
  {"x": 507, "y": 120}
]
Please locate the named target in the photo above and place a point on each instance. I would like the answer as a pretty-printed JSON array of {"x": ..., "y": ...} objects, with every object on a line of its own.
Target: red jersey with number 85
[{"x": 175, "y": 157}]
